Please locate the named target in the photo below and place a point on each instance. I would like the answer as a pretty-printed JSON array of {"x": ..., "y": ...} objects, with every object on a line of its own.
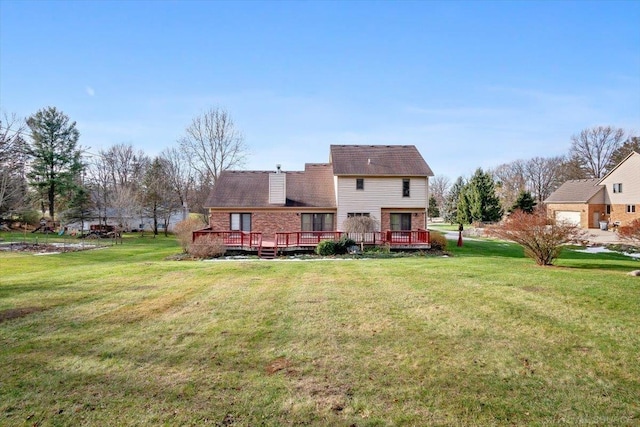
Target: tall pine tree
[
  {"x": 450, "y": 207},
  {"x": 55, "y": 155},
  {"x": 478, "y": 201}
]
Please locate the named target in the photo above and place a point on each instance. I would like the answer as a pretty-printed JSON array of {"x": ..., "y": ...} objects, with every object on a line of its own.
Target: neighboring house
[
  {"x": 387, "y": 182},
  {"x": 614, "y": 199},
  {"x": 127, "y": 220}
]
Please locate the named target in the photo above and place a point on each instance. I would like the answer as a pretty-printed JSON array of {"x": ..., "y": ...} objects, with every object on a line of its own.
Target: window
[
  {"x": 608, "y": 209},
  {"x": 359, "y": 183},
  {"x": 241, "y": 221},
  {"x": 400, "y": 221},
  {"x": 631, "y": 208},
  {"x": 317, "y": 222},
  {"x": 617, "y": 188},
  {"x": 406, "y": 187},
  {"x": 352, "y": 214}
]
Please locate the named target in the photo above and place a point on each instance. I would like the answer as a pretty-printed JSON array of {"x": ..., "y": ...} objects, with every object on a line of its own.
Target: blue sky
[{"x": 471, "y": 84}]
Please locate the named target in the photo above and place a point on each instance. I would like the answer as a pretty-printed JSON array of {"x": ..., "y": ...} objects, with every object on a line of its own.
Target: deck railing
[
  {"x": 408, "y": 237},
  {"x": 232, "y": 238},
  {"x": 251, "y": 240},
  {"x": 394, "y": 238},
  {"x": 305, "y": 238}
]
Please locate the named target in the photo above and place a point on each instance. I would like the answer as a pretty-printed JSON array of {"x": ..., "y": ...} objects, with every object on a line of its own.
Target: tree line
[
  {"x": 523, "y": 184},
  {"x": 45, "y": 172}
]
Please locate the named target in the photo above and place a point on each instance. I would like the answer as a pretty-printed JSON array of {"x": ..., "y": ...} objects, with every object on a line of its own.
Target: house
[
  {"x": 387, "y": 182},
  {"x": 613, "y": 199}
]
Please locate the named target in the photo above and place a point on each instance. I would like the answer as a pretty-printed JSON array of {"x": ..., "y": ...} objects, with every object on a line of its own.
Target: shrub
[
  {"x": 360, "y": 225},
  {"x": 630, "y": 232},
  {"x": 208, "y": 246},
  {"x": 326, "y": 247},
  {"x": 540, "y": 236},
  {"x": 342, "y": 246},
  {"x": 184, "y": 231},
  {"x": 438, "y": 241}
]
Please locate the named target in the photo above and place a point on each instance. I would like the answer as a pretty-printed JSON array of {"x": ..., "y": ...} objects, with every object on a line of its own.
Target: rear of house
[{"x": 386, "y": 182}]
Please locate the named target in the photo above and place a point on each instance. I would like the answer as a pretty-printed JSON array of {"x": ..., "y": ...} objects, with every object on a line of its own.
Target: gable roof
[
  {"x": 380, "y": 160},
  {"x": 575, "y": 191},
  {"x": 312, "y": 187},
  {"x": 633, "y": 153}
]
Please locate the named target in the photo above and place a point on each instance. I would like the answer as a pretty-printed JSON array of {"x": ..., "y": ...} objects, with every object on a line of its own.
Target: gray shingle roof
[
  {"x": 380, "y": 160},
  {"x": 575, "y": 191},
  {"x": 250, "y": 189}
]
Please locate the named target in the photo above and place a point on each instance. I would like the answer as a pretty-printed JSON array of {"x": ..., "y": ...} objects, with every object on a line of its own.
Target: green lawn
[{"x": 119, "y": 336}]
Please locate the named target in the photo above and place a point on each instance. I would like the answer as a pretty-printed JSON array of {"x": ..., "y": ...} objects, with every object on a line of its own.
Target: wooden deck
[{"x": 308, "y": 240}]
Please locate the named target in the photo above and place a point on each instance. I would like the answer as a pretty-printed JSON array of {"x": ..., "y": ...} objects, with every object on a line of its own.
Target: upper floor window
[
  {"x": 631, "y": 208},
  {"x": 406, "y": 187},
  {"x": 352, "y": 214},
  {"x": 359, "y": 183},
  {"x": 617, "y": 187}
]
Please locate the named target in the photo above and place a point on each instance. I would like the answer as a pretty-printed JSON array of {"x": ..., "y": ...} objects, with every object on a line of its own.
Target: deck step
[{"x": 267, "y": 252}]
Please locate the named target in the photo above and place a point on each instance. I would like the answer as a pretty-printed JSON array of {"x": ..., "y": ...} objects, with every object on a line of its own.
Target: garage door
[{"x": 568, "y": 217}]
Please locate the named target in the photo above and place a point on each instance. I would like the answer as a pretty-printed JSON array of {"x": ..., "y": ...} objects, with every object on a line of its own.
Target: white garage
[{"x": 570, "y": 217}]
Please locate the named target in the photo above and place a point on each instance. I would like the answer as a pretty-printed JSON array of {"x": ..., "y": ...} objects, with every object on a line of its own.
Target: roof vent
[
  {"x": 278, "y": 168},
  {"x": 368, "y": 161}
]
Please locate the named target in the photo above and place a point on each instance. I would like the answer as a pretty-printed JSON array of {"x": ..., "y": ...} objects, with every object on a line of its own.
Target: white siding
[
  {"x": 628, "y": 174},
  {"x": 277, "y": 188},
  {"x": 378, "y": 193}
]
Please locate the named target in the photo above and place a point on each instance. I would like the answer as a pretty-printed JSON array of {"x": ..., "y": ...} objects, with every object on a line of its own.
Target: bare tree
[
  {"x": 126, "y": 165},
  {"x": 359, "y": 226},
  {"x": 125, "y": 204},
  {"x": 543, "y": 176},
  {"x": 213, "y": 144},
  {"x": 99, "y": 180},
  {"x": 12, "y": 162},
  {"x": 594, "y": 147},
  {"x": 572, "y": 168},
  {"x": 439, "y": 185},
  {"x": 179, "y": 176},
  {"x": 510, "y": 181}
]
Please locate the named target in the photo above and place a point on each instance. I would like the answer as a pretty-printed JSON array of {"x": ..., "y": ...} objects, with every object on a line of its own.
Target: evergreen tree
[
  {"x": 55, "y": 154},
  {"x": 433, "y": 210},
  {"x": 631, "y": 144},
  {"x": 450, "y": 207},
  {"x": 478, "y": 201},
  {"x": 80, "y": 206},
  {"x": 524, "y": 202}
]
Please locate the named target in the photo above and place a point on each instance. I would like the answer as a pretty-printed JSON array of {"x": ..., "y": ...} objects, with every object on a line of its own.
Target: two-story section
[
  {"x": 387, "y": 182},
  {"x": 592, "y": 203},
  {"x": 622, "y": 194}
]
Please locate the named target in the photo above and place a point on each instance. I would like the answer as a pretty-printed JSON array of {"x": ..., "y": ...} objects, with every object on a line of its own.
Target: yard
[{"x": 120, "y": 336}]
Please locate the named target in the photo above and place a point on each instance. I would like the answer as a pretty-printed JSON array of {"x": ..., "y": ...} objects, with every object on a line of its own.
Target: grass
[{"x": 119, "y": 336}]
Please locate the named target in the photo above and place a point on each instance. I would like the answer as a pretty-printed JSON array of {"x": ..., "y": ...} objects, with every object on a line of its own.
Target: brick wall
[
  {"x": 619, "y": 213},
  {"x": 266, "y": 222},
  {"x": 417, "y": 218}
]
